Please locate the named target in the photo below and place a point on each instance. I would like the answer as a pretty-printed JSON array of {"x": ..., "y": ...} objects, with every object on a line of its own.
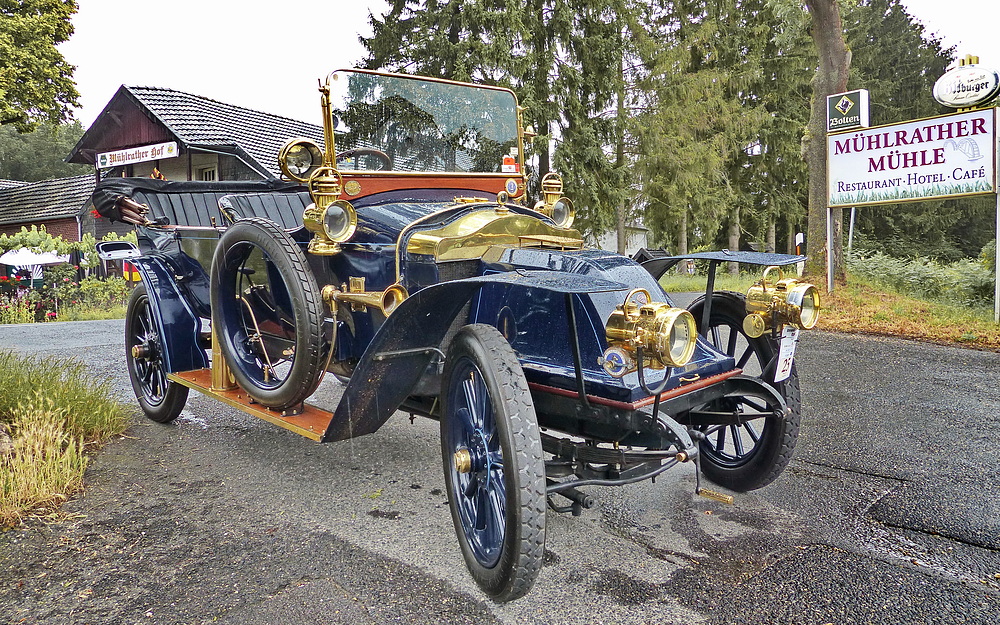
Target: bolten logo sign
[{"x": 847, "y": 110}]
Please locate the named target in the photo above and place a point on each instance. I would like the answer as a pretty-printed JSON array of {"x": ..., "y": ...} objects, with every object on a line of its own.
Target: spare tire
[{"x": 268, "y": 313}]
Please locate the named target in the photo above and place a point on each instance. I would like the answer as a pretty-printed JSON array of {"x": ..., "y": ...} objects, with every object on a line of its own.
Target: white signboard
[
  {"x": 937, "y": 157},
  {"x": 137, "y": 155}
]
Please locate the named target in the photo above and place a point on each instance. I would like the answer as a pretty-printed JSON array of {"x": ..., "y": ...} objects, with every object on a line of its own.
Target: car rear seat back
[{"x": 285, "y": 209}]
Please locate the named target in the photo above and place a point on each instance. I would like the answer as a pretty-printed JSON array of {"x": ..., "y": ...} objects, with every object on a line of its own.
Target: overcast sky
[
  {"x": 264, "y": 56},
  {"x": 270, "y": 59}
]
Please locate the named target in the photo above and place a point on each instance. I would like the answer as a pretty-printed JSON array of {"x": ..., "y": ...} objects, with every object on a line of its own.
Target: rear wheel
[
  {"x": 493, "y": 464},
  {"x": 755, "y": 446},
  {"x": 161, "y": 399},
  {"x": 268, "y": 313}
]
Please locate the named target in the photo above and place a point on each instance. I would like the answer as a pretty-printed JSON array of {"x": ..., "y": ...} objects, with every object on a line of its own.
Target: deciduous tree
[
  {"x": 39, "y": 155},
  {"x": 36, "y": 82}
]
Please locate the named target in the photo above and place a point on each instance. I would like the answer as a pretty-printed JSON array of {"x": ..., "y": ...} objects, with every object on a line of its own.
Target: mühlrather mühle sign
[{"x": 937, "y": 157}]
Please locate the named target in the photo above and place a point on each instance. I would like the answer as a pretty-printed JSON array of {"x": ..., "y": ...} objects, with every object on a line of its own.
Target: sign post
[
  {"x": 996, "y": 244},
  {"x": 844, "y": 111}
]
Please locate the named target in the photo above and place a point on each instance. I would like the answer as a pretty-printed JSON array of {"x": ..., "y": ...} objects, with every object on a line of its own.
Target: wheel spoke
[
  {"x": 481, "y": 509},
  {"x": 496, "y": 513},
  {"x": 737, "y": 440},
  {"x": 761, "y": 408},
  {"x": 720, "y": 440},
  {"x": 473, "y": 485},
  {"x": 745, "y": 357},
  {"x": 716, "y": 337},
  {"x": 496, "y": 462},
  {"x": 475, "y": 416},
  {"x": 733, "y": 337},
  {"x": 752, "y": 432}
]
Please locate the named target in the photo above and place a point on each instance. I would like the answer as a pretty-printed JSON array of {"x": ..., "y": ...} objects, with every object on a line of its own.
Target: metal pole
[
  {"x": 850, "y": 232},
  {"x": 996, "y": 269},
  {"x": 829, "y": 249}
]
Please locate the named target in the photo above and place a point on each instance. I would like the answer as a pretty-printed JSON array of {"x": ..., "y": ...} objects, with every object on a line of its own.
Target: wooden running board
[{"x": 311, "y": 423}]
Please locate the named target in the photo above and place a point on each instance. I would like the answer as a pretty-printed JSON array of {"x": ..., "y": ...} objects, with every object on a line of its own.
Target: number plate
[{"x": 789, "y": 339}]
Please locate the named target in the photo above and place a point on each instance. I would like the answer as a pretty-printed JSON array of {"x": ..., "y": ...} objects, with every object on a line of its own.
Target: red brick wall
[{"x": 66, "y": 228}]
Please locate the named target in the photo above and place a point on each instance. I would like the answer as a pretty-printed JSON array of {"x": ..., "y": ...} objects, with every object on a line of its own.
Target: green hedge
[{"x": 966, "y": 282}]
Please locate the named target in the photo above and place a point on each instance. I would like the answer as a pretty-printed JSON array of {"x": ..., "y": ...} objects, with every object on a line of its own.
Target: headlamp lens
[{"x": 339, "y": 221}]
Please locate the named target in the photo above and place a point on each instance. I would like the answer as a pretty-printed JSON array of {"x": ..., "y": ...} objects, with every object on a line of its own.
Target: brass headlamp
[
  {"x": 553, "y": 204},
  {"x": 331, "y": 219},
  {"x": 299, "y": 158},
  {"x": 774, "y": 304},
  {"x": 666, "y": 335}
]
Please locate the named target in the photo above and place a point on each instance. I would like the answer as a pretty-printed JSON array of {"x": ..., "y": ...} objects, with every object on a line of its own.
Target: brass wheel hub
[{"x": 463, "y": 461}]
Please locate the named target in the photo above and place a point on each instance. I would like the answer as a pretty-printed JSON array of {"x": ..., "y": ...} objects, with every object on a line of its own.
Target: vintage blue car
[{"x": 404, "y": 257}]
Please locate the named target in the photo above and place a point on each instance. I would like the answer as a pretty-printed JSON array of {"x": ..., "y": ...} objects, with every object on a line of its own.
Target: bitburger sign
[
  {"x": 967, "y": 85},
  {"x": 937, "y": 157}
]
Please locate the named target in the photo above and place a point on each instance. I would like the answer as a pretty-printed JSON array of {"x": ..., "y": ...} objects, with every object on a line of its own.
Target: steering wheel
[{"x": 384, "y": 159}]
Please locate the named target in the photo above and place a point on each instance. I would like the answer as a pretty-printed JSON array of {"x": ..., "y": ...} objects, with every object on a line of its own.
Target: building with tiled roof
[
  {"x": 56, "y": 204},
  {"x": 214, "y": 140},
  {"x": 199, "y": 139}
]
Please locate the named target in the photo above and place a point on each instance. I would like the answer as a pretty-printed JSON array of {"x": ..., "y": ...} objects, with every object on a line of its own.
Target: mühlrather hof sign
[{"x": 931, "y": 158}]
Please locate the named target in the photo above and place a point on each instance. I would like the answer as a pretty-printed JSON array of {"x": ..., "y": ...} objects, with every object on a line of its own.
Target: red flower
[
  {"x": 4, "y": 278},
  {"x": 95, "y": 213}
]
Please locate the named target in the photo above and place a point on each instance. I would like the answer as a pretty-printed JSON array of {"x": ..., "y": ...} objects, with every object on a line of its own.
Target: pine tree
[{"x": 564, "y": 59}]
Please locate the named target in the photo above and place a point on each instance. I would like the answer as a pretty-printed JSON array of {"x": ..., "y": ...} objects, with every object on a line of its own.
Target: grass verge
[
  {"x": 51, "y": 412},
  {"x": 864, "y": 306}
]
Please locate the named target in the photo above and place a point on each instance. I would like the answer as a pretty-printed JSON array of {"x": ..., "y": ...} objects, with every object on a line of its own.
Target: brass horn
[{"x": 386, "y": 301}]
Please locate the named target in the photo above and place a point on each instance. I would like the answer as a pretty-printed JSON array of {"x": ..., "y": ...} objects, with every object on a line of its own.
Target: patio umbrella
[{"x": 32, "y": 262}]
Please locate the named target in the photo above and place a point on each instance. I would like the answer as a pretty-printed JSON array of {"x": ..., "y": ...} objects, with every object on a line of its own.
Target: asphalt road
[{"x": 887, "y": 514}]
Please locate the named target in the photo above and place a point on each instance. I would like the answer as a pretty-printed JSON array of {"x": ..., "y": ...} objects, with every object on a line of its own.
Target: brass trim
[
  {"x": 470, "y": 235},
  {"x": 352, "y": 187},
  {"x": 364, "y": 173},
  {"x": 312, "y": 423},
  {"x": 445, "y": 81},
  {"x": 222, "y": 378},
  {"x": 717, "y": 496}
]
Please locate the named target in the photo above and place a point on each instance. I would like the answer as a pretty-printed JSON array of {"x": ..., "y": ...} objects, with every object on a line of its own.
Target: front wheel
[
  {"x": 755, "y": 445},
  {"x": 161, "y": 399},
  {"x": 493, "y": 464}
]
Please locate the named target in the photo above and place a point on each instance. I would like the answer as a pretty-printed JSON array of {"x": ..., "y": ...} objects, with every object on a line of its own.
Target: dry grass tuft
[
  {"x": 44, "y": 466},
  {"x": 51, "y": 411}
]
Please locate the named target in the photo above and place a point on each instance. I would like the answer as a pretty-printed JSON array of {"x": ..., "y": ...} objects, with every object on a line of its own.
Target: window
[{"x": 208, "y": 174}]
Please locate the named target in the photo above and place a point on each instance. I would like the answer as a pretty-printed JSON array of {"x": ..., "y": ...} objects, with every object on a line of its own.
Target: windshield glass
[{"x": 411, "y": 124}]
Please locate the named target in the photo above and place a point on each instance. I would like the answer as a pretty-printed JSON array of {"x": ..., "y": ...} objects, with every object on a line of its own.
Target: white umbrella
[
  {"x": 22, "y": 256},
  {"x": 23, "y": 259}
]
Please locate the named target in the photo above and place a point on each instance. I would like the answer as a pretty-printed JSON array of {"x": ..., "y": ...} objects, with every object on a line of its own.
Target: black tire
[
  {"x": 161, "y": 399},
  {"x": 754, "y": 453},
  {"x": 268, "y": 313},
  {"x": 498, "y": 505}
]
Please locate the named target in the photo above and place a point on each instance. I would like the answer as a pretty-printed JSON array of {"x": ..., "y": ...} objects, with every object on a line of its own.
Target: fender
[
  {"x": 177, "y": 322},
  {"x": 411, "y": 337}
]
